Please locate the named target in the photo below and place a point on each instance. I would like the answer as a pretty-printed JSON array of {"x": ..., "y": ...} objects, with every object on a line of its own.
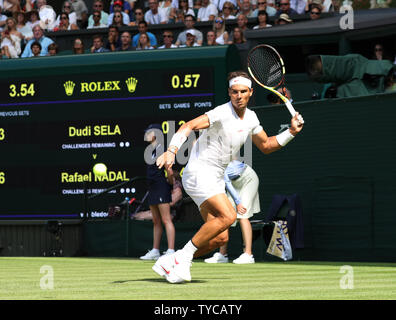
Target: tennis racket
[{"x": 266, "y": 67}]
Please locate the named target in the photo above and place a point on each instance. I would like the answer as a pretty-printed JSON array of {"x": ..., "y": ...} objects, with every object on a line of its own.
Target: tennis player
[{"x": 226, "y": 129}]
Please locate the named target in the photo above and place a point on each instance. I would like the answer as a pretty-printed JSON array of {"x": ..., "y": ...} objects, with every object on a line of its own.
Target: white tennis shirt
[{"x": 225, "y": 136}]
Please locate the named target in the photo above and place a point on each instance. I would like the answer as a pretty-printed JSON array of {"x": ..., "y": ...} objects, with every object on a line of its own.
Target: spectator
[
  {"x": 191, "y": 36},
  {"x": 208, "y": 11},
  {"x": 3, "y": 19},
  {"x": 126, "y": 7},
  {"x": 78, "y": 46},
  {"x": 113, "y": 38},
  {"x": 118, "y": 20},
  {"x": 97, "y": 45},
  {"x": 284, "y": 8},
  {"x": 221, "y": 35},
  {"x": 315, "y": 12},
  {"x": 310, "y": 3},
  {"x": 36, "y": 49},
  {"x": 104, "y": 16},
  {"x": 238, "y": 37},
  {"x": 283, "y": 19},
  {"x": 167, "y": 37},
  {"x": 11, "y": 6},
  {"x": 179, "y": 18},
  {"x": 96, "y": 16},
  {"x": 196, "y": 6},
  {"x": 271, "y": 3},
  {"x": 65, "y": 23},
  {"x": 262, "y": 20},
  {"x": 11, "y": 40},
  {"x": 142, "y": 28},
  {"x": 299, "y": 5},
  {"x": 38, "y": 36},
  {"x": 118, "y": 8},
  {"x": 242, "y": 22},
  {"x": 81, "y": 11},
  {"x": 144, "y": 43},
  {"x": 246, "y": 9},
  {"x": 21, "y": 26},
  {"x": 189, "y": 23},
  {"x": 175, "y": 6},
  {"x": 126, "y": 42},
  {"x": 53, "y": 49},
  {"x": 184, "y": 7},
  {"x": 33, "y": 19},
  {"x": 211, "y": 38},
  {"x": 220, "y": 4},
  {"x": 139, "y": 16},
  {"x": 335, "y": 6},
  {"x": 227, "y": 12},
  {"x": 166, "y": 6},
  {"x": 380, "y": 4},
  {"x": 132, "y": 5},
  {"x": 47, "y": 15},
  {"x": 379, "y": 53},
  {"x": 155, "y": 15},
  {"x": 68, "y": 8},
  {"x": 262, "y": 5}
]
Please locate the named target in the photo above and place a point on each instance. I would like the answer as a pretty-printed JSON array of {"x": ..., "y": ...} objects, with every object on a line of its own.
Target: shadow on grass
[{"x": 156, "y": 280}]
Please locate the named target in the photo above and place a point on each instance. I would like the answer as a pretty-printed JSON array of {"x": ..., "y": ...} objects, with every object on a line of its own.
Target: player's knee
[
  {"x": 221, "y": 239},
  {"x": 230, "y": 218}
]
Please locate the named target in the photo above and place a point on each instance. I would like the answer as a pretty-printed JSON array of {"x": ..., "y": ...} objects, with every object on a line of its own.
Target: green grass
[{"x": 123, "y": 279}]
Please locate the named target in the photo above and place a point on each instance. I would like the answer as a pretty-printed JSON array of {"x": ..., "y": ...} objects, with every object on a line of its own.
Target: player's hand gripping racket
[{"x": 266, "y": 67}]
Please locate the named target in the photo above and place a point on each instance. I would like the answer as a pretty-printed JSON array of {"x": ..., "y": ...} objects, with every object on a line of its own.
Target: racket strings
[{"x": 266, "y": 66}]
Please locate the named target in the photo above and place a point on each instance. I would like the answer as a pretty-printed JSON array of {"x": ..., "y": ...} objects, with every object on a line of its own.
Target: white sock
[
  {"x": 190, "y": 249},
  {"x": 155, "y": 250}
]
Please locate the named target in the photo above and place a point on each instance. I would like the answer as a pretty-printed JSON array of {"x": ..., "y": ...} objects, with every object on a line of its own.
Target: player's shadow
[{"x": 156, "y": 280}]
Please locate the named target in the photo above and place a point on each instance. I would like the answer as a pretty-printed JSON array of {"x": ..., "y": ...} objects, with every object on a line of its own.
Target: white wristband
[
  {"x": 284, "y": 138},
  {"x": 177, "y": 140}
]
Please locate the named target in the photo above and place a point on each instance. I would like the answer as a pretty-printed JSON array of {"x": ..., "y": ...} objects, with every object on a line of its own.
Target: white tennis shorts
[{"x": 202, "y": 182}]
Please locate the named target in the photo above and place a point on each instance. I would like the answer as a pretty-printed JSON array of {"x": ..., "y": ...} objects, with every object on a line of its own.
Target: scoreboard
[{"x": 61, "y": 115}]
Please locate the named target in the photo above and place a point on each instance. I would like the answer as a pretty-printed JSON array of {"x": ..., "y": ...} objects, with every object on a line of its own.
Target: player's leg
[
  {"x": 218, "y": 214},
  {"x": 166, "y": 218}
]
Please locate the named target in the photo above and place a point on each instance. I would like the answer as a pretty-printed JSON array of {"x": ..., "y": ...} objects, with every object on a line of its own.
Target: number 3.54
[{"x": 22, "y": 91}]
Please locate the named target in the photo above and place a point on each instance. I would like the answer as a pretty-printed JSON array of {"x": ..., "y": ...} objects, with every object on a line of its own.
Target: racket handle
[{"x": 290, "y": 107}]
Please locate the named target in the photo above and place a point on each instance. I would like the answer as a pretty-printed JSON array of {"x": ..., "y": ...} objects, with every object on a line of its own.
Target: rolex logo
[
  {"x": 69, "y": 87},
  {"x": 131, "y": 84}
]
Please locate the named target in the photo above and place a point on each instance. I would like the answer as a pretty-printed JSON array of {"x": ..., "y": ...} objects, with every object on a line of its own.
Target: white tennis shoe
[
  {"x": 175, "y": 268},
  {"x": 152, "y": 254},
  {"x": 217, "y": 258},
  {"x": 244, "y": 258},
  {"x": 182, "y": 265}
]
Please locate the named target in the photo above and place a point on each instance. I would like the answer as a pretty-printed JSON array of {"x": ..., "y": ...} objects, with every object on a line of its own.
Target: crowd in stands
[{"x": 23, "y": 22}]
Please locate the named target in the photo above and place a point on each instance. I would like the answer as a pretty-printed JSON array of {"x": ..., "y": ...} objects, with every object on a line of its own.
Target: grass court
[{"x": 133, "y": 279}]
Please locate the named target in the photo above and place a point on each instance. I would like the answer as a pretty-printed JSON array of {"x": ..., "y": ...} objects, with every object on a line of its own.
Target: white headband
[{"x": 241, "y": 80}]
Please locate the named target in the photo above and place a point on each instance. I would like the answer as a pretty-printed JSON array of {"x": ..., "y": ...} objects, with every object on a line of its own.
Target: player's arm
[
  {"x": 168, "y": 157},
  {"x": 270, "y": 144}
]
